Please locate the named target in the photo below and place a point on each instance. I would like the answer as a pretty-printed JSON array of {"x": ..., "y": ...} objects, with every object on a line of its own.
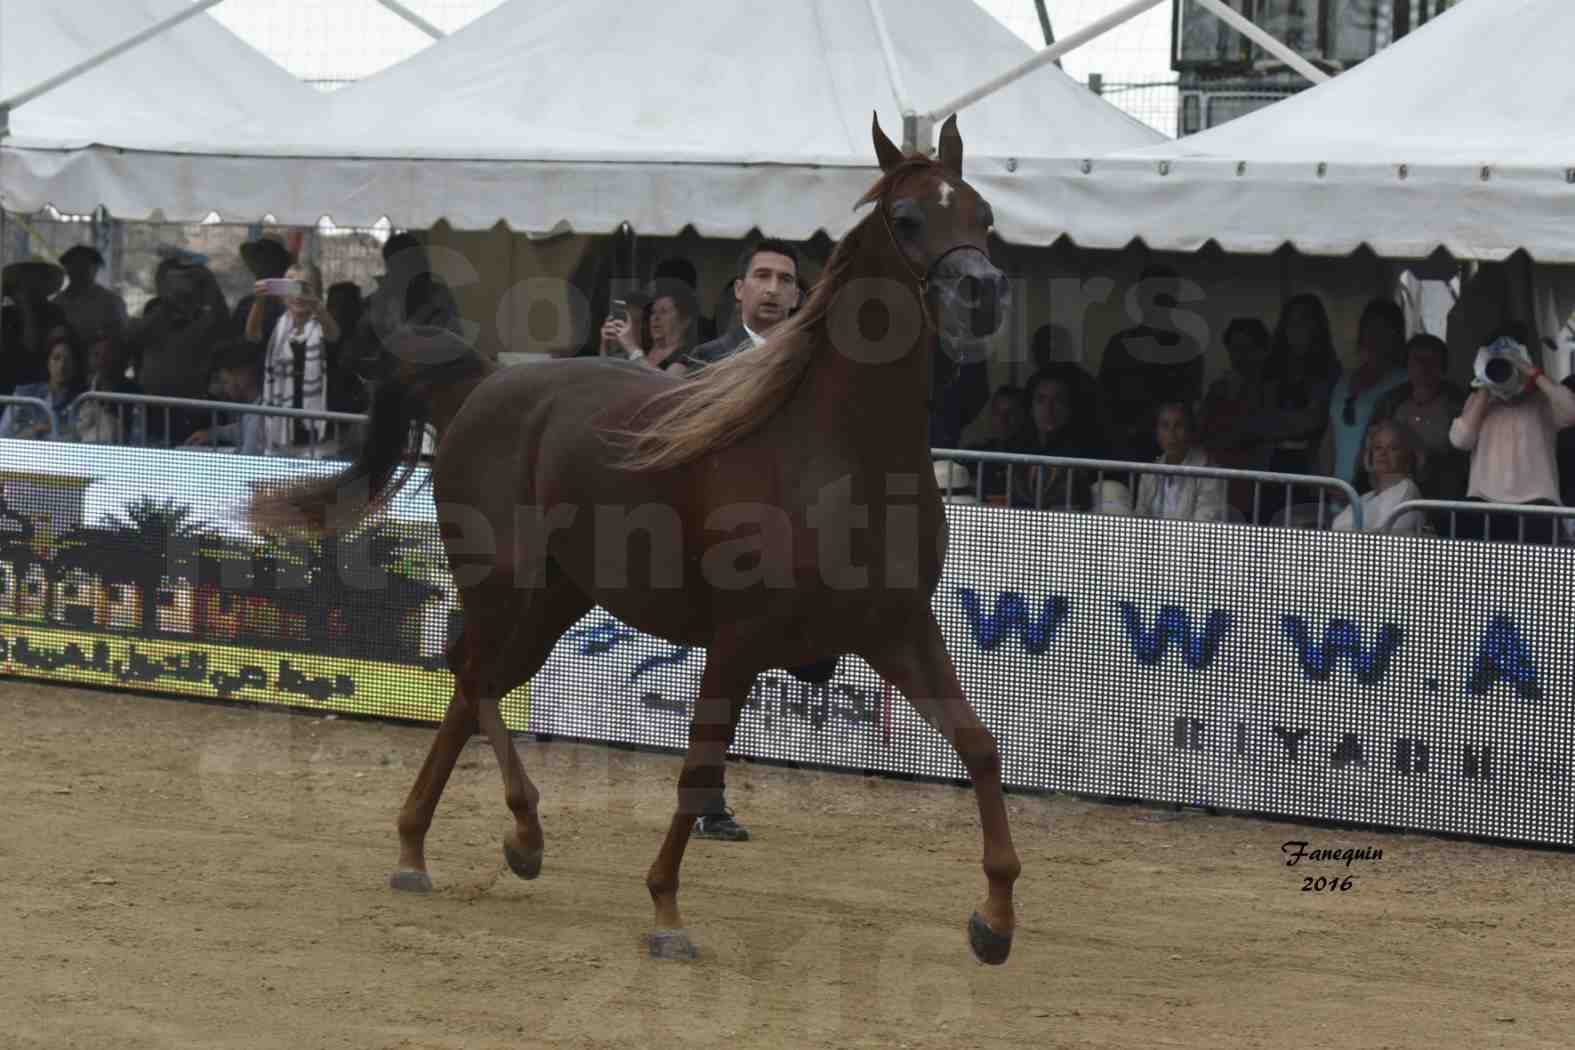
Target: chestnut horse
[{"x": 785, "y": 498}]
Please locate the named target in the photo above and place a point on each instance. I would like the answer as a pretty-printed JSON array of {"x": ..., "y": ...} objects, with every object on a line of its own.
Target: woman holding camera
[{"x": 1510, "y": 425}]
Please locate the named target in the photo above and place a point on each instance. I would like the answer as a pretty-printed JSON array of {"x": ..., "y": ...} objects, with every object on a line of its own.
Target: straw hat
[
  {"x": 36, "y": 274},
  {"x": 267, "y": 253}
]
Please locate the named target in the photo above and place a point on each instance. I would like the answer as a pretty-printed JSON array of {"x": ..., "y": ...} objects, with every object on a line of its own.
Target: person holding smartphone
[
  {"x": 622, "y": 330},
  {"x": 294, "y": 364}
]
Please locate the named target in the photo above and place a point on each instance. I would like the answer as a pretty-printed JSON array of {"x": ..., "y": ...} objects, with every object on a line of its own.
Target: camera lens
[{"x": 1499, "y": 371}]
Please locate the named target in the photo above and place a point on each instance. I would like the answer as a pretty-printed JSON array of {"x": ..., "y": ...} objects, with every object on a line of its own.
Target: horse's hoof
[
  {"x": 672, "y": 944},
  {"x": 988, "y": 946},
  {"x": 408, "y": 881},
  {"x": 526, "y": 863}
]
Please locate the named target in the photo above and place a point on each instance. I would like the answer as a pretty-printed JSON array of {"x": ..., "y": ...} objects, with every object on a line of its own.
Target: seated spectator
[
  {"x": 1147, "y": 364},
  {"x": 59, "y": 390},
  {"x": 1003, "y": 417},
  {"x": 1512, "y": 440},
  {"x": 104, "y": 422},
  {"x": 1234, "y": 402},
  {"x": 295, "y": 364},
  {"x": 1173, "y": 496},
  {"x": 90, "y": 308},
  {"x": 1301, "y": 370},
  {"x": 674, "y": 329},
  {"x": 239, "y": 367},
  {"x": 1380, "y": 344},
  {"x": 28, "y": 319},
  {"x": 1427, "y": 404},
  {"x": 1057, "y": 412},
  {"x": 1392, "y": 458}
]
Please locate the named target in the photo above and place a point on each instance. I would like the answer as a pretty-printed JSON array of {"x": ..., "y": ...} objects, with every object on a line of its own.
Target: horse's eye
[{"x": 907, "y": 222}]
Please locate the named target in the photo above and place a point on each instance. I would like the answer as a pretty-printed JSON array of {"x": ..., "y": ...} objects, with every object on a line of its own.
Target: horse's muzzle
[{"x": 972, "y": 299}]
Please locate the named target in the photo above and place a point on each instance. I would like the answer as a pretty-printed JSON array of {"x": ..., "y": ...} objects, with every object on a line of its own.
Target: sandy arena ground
[{"x": 188, "y": 876}]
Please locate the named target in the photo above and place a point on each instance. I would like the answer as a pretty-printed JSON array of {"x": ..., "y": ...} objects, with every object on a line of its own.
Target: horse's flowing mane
[{"x": 730, "y": 399}]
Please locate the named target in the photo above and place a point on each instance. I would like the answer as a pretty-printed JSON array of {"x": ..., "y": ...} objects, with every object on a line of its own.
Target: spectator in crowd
[
  {"x": 1145, "y": 365},
  {"x": 266, "y": 257},
  {"x": 239, "y": 367},
  {"x": 679, "y": 271},
  {"x": 409, "y": 293},
  {"x": 1172, "y": 496},
  {"x": 995, "y": 430},
  {"x": 102, "y": 422},
  {"x": 1003, "y": 417},
  {"x": 64, "y": 365},
  {"x": 90, "y": 308},
  {"x": 1059, "y": 423},
  {"x": 1234, "y": 402},
  {"x": 295, "y": 362},
  {"x": 172, "y": 343},
  {"x": 767, "y": 292},
  {"x": 673, "y": 327},
  {"x": 1301, "y": 371},
  {"x": 1512, "y": 444},
  {"x": 1354, "y": 400},
  {"x": 1052, "y": 344},
  {"x": 346, "y": 390},
  {"x": 1392, "y": 457},
  {"x": 27, "y": 318},
  {"x": 1427, "y": 404}
]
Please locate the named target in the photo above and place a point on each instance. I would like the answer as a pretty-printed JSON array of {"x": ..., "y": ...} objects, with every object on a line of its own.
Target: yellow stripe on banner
[{"x": 234, "y": 672}]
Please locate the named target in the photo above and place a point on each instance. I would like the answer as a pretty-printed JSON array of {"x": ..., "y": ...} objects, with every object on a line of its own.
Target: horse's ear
[
  {"x": 951, "y": 146},
  {"x": 885, "y": 151}
]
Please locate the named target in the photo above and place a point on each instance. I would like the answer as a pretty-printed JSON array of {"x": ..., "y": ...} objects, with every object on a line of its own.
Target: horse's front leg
[
  {"x": 723, "y": 690},
  {"x": 918, "y": 665}
]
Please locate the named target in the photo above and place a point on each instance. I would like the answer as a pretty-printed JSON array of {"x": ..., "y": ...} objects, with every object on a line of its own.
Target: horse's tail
[{"x": 400, "y": 411}]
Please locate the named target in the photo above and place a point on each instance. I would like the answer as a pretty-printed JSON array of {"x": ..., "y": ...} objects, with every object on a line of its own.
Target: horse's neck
[
  {"x": 444, "y": 401},
  {"x": 879, "y": 408}
]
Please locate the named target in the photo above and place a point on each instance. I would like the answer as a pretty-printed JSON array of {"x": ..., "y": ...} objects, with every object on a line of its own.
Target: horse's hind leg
[
  {"x": 918, "y": 665},
  {"x": 540, "y": 616}
]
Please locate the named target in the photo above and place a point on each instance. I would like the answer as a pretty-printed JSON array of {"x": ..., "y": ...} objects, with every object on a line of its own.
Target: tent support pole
[
  {"x": 414, "y": 19},
  {"x": 1258, "y": 35},
  {"x": 99, "y": 59},
  {"x": 1100, "y": 27}
]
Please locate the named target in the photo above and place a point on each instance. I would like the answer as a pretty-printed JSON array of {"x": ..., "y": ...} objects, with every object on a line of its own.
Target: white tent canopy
[
  {"x": 178, "y": 91},
  {"x": 1459, "y": 136},
  {"x": 550, "y": 113}
]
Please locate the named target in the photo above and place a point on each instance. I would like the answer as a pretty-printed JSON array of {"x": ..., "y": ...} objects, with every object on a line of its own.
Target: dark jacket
[{"x": 722, "y": 347}]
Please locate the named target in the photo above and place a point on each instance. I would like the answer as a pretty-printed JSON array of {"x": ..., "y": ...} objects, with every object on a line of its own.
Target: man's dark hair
[
  {"x": 399, "y": 242},
  {"x": 1252, "y": 328},
  {"x": 766, "y": 244}
]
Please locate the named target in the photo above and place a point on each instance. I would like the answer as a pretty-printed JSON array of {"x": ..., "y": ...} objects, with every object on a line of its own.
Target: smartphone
[
  {"x": 618, "y": 310},
  {"x": 284, "y": 287}
]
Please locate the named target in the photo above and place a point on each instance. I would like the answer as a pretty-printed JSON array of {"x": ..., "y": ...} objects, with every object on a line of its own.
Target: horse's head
[{"x": 940, "y": 226}]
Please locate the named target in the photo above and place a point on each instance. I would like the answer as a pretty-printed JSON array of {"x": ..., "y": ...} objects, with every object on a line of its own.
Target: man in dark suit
[{"x": 767, "y": 292}]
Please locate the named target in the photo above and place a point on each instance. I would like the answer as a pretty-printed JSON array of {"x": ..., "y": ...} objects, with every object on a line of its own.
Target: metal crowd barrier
[
  {"x": 48, "y": 410},
  {"x": 138, "y": 406},
  {"x": 1334, "y": 495},
  {"x": 1563, "y": 518}
]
